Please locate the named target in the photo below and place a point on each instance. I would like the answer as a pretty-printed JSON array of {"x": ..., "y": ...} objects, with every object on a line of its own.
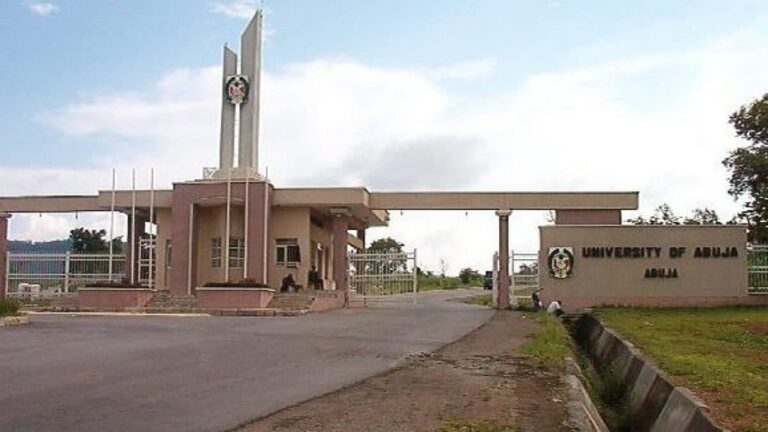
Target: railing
[
  {"x": 60, "y": 273},
  {"x": 757, "y": 271},
  {"x": 372, "y": 274}
]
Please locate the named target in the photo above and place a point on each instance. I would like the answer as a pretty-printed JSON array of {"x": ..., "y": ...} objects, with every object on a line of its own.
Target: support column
[
  {"x": 361, "y": 236},
  {"x": 258, "y": 226},
  {"x": 503, "y": 300},
  {"x": 3, "y": 252},
  {"x": 340, "y": 227}
]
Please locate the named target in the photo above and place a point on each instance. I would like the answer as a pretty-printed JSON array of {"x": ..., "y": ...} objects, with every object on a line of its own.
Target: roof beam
[{"x": 504, "y": 200}]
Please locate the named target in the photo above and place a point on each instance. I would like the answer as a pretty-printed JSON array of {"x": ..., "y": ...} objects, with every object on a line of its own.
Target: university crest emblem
[
  {"x": 560, "y": 262},
  {"x": 236, "y": 89}
]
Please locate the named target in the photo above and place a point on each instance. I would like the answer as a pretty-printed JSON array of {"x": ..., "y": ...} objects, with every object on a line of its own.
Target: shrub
[{"x": 9, "y": 307}]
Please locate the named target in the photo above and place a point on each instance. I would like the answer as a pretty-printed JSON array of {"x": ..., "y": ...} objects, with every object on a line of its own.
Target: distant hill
[{"x": 52, "y": 246}]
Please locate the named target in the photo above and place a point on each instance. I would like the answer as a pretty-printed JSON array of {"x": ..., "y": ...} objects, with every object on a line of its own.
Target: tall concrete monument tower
[{"x": 240, "y": 105}]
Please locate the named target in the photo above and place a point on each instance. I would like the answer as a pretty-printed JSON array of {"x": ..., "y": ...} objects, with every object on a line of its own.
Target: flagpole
[
  {"x": 151, "y": 226},
  {"x": 225, "y": 244},
  {"x": 112, "y": 228},
  {"x": 246, "y": 215},
  {"x": 265, "y": 242},
  {"x": 133, "y": 226}
]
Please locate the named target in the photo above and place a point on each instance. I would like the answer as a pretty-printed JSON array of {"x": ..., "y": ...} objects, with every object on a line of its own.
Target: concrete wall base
[
  {"x": 14, "y": 320},
  {"x": 233, "y": 298},
  {"x": 95, "y": 298},
  {"x": 671, "y": 301}
]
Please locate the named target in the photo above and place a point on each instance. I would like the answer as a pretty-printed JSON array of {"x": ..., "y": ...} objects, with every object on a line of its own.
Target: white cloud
[
  {"x": 42, "y": 8},
  {"x": 626, "y": 124},
  {"x": 470, "y": 70},
  {"x": 235, "y": 8}
]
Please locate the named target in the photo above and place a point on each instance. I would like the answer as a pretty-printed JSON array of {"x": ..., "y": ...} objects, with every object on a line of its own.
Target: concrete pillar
[
  {"x": 504, "y": 281},
  {"x": 340, "y": 227},
  {"x": 361, "y": 236},
  {"x": 227, "y": 131},
  {"x": 3, "y": 251}
]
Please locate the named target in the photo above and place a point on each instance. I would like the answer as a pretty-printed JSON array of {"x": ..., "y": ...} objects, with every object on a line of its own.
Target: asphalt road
[{"x": 95, "y": 373}]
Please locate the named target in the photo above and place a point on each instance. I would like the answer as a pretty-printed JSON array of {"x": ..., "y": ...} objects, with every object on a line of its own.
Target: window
[
  {"x": 236, "y": 252},
  {"x": 216, "y": 252},
  {"x": 287, "y": 253}
]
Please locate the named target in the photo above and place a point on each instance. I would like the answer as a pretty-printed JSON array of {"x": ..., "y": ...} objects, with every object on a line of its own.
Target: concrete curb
[
  {"x": 14, "y": 320},
  {"x": 655, "y": 403},
  {"x": 582, "y": 415}
]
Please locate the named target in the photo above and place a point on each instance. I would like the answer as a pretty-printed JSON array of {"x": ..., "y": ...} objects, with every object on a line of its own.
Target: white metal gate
[
  {"x": 757, "y": 272},
  {"x": 381, "y": 277},
  {"x": 523, "y": 278},
  {"x": 58, "y": 273}
]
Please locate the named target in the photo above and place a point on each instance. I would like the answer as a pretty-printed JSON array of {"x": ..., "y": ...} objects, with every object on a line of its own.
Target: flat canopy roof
[
  {"x": 358, "y": 198},
  {"x": 504, "y": 200}
]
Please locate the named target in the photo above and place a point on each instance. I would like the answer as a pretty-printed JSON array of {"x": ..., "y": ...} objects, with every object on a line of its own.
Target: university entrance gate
[{"x": 376, "y": 277}]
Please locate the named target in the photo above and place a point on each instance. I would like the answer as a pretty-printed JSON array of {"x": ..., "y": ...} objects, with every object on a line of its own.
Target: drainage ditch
[{"x": 628, "y": 390}]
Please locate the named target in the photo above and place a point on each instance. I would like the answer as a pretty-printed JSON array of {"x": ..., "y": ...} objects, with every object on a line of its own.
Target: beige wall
[
  {"x": 210, "y": 223},
  {"x": 163, "y": 220},
  {"x": 289, "y": 222},
  {"x": 596, "y": 281}
]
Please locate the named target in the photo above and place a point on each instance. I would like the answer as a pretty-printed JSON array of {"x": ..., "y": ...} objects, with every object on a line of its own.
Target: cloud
[
  {"x": 654, "y": 122},
  {"x": 42, "y": 8},
  {"x": 471, "y": 70},
  {"x": 244, "y": 9}
]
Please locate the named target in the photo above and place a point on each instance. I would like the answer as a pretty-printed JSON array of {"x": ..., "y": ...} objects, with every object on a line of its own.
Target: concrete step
[{"x": 291, "y": 301}]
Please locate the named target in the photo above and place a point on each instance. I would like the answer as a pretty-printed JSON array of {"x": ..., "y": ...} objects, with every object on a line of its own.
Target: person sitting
[
  {"x": 536, "y": 301},
  {"x": 288, "y": 285},
  {"x": 313, "y": 278},
  {"x": 556, "y": 308}
]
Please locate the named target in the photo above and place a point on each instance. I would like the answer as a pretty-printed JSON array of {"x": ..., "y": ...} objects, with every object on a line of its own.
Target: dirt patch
[
  {"x": 481, "y": 379},
  {"x": 758, "y": 328}
]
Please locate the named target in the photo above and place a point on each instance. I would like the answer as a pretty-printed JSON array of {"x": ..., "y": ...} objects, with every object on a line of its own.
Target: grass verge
[
  {"x": 481, "y": 300},
  {"x": 9, "y": 307},
  {"x": 720, "y": 353},
  {"x": 551, "y": 343}
]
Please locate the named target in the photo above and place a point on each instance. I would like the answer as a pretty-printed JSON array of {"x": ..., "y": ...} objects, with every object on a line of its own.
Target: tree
[
  {"x": 663, "y": 215},
  {"x": 749, "y": 166},
  {"x": 92, "y": 241},
  {"x": 703, "y": 216},
  {"x": 467, "y": 275},
  {"x": 386, "y": 245}
]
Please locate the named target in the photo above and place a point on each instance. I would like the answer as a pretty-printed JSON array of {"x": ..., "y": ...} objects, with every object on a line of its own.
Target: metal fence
[
  {"x": 525, "y": 273},
  {"x": 377, "y": 276},
  {"x": 757, "y": 259},
  {"x": 58, "y": 273}
]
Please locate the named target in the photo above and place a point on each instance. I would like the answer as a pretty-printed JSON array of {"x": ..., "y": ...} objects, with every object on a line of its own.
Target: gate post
[
  {"x": 4, "y": 253},
  {"x": 503, "y": 300}
]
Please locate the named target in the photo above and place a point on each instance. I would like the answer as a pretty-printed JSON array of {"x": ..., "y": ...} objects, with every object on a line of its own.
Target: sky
[{"x": 393, "y": 95}]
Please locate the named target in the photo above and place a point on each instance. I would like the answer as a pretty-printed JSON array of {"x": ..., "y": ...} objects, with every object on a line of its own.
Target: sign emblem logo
[
  {"x": 236, "y": 89},
  {"x": 560, "y": 262}
]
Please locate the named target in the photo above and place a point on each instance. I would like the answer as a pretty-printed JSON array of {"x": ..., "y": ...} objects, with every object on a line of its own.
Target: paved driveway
[{"x": 86, "y": 373}]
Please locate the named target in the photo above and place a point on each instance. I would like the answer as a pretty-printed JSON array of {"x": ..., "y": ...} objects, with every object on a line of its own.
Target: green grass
[
  {"x": 9, "y": 307},
  {"x": 721, "y": 353},
  {"x": 550, "y": 343},
  {"x": 482, "y": 300}
]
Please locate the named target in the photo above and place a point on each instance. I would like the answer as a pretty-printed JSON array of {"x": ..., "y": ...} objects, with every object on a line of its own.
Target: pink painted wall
[
  {"x": 332, "y": 300},
  {"x": 113, "y": 299},
  {"x": 233, "y": 299},
  {"x": 588, "y": 217},
  {"x": 192, "y": 194}
]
